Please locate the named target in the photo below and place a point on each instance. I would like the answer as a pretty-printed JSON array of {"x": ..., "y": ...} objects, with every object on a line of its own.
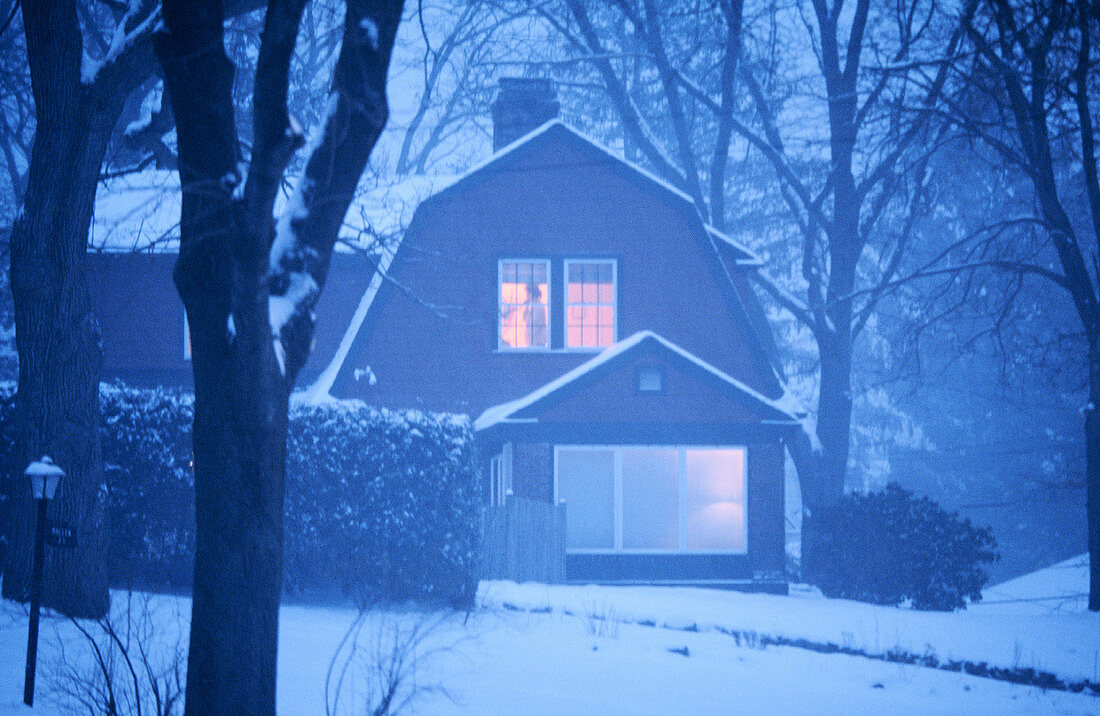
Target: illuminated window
[
  {"x": 653, "y": 499},
  {"x": 590, "y": 304},
  {"x": 524, "y": 299}
]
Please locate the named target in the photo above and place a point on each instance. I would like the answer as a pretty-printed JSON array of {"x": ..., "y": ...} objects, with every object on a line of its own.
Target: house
[
  {"x": 608, "y": 344},
  {"x": 144, "y": 327}
]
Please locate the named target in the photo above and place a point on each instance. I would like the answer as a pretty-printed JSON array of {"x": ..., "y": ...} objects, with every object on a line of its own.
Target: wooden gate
[{"x": 524, "y": 540}]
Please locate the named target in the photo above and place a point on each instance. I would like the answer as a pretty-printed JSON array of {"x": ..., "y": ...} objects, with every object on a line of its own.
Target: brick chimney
[{"x": 522, "y": 104}]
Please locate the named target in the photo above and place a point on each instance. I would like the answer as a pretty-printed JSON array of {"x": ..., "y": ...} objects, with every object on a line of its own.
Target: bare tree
[
  {"x": 249, "y": 287},
  {"x": 837, "y": 99},
  {"x": 1030, "y": 94},
  {"x": 83, "y": 61}
]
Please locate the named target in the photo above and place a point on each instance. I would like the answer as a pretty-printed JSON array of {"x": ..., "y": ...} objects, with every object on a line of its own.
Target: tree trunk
[
  {"x": 1092, "y": 472},
  {"x": 57, "y": 337},
  {"x": 229, "y": 271}
]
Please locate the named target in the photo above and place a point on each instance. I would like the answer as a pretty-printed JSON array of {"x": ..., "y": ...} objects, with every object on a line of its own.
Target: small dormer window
[
  {"x": 590, "y": 304},
  {"x": 524, "y": 301}
]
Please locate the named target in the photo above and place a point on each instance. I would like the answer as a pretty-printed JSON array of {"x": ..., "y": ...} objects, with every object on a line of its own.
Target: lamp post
[{"x": 44, "y": 477}]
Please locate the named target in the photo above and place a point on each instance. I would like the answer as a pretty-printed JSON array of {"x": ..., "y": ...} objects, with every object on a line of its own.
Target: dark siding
[
  {"x": 142, "y": 320},
  {"x": 767, "y": 530},
  {"x": 140, "y": 317},
  {"x": 531, "y": 463}
]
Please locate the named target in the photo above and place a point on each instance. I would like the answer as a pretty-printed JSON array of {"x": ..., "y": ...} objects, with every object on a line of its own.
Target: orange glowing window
[
  {"x": 524, "y": 300},
  {"x": 590, "y": 304}
]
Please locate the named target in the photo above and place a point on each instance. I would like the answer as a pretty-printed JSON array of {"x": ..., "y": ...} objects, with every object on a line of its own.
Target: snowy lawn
[{"x": 573, "y": 650}]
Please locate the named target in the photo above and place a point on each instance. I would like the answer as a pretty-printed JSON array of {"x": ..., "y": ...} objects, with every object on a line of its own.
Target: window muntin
[
  {"x": 590, "y": 304},
  {"x": 652, "y": 499},
  {"x": 524, "y": 301}
]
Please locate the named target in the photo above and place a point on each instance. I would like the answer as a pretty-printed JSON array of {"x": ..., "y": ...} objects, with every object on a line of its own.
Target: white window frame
[
  {"x": 501, "y": 346},
  {"x": 565, "y": 304},
  {"x": 186, "y": 337},
  {"x": 682, "y": 486},
  {"x": 500, "y": 476}
]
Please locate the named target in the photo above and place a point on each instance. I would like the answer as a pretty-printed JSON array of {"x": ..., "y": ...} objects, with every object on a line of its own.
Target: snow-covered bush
[
  {"x": 384, "y": 504},
  {"x": 890, "y": 546},
  {"x": 381, "y": 505},
  {"x": 151, "y": 502}
]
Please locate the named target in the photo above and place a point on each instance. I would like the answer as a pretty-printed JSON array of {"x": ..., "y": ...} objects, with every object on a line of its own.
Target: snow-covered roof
[
  {"x": 786, "y": 405},
  {"x": 320, "y": 390},
  {"x": 141, "y": 211},
  {"x": 560, "y": 128},
  {"x": 743, "y": 255}
]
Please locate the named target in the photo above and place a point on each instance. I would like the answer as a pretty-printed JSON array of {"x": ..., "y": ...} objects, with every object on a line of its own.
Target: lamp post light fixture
[{"x": 45, "y": 477}]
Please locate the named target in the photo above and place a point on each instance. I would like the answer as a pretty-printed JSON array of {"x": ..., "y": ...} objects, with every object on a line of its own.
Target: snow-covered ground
[{"x": 537, "y": 649}]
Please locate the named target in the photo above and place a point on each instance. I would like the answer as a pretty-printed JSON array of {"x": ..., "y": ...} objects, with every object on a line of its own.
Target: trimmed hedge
[
  {"x": 384, "y": 504},
  {"x": 381, "y": 506},
  {"x": 890, "y": 546}
]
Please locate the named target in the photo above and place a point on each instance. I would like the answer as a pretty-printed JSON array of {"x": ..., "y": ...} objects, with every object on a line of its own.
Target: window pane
[
  {"x": 715, "y": 500},
  {"x": 523, "y": 304},
  {"x": 590, "y": 286},
  {"x": 651, "y": 511},
  {"x": 586, "y": 481}
]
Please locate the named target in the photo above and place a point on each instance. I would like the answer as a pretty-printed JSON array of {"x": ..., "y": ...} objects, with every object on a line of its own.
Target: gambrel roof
[{"x": 728, "y": 258}]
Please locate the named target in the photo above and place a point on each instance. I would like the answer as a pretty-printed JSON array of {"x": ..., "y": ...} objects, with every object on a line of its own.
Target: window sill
[{"x": 543, "y": 351}]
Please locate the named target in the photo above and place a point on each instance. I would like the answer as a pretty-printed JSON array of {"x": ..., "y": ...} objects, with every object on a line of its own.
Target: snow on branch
[
  {"x": 139, "y": 20},
  {"x": 784, "y": 298},
  {"x": 338, "y": 153}
]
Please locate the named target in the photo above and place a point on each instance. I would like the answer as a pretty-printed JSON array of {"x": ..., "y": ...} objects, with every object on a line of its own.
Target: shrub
[
  {"x": 381, "y": 505},
  {"x": 385, "y": 504},
  {"x": 886, "y": 547},
  {"x": 151, "y": 500}
]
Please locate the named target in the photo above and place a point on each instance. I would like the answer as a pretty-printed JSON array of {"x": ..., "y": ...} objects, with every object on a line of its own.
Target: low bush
[
  {"x": 381, "y": 506},
  {"x": 891, "y": 546}
]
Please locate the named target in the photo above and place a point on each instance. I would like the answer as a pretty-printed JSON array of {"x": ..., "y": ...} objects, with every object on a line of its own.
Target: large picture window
[
  {"x": 524, "y": 299},
  {"x": 589, "y": 304},
  {"x": 653, "y": 499}
]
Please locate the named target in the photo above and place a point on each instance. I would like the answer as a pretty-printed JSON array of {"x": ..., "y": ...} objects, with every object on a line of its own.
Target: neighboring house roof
[
  {"x": 783, "y": 410},
  {"x": 140, "y": 212},
  {"x": 728, "y": 253},
  {"x": 319, "y": 391}
]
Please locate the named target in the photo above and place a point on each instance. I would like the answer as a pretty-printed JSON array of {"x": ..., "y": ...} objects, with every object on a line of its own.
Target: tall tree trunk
[
  {"x": 57, "y": 338},
  {"x": 232, "y": 267}
]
